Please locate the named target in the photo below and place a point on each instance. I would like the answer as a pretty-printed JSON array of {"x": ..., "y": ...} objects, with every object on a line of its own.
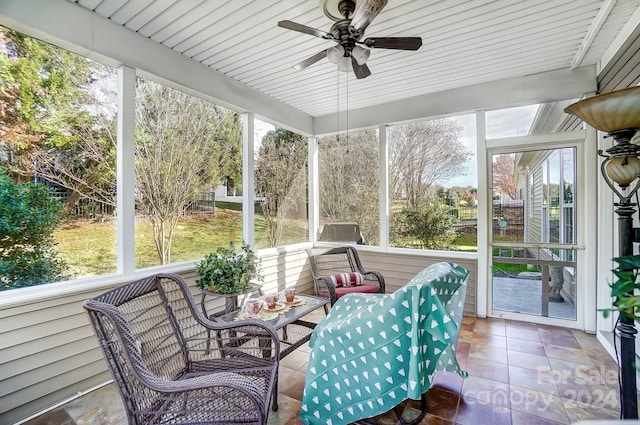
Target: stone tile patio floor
[{"x": 519, "y": 374}]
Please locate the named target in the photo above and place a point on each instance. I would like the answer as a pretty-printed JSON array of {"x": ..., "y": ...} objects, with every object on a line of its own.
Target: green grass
[
  {"x": 509, "y": 268},
  {"x": 467, "y": 242},
  {"x": 89, "y": 248}
]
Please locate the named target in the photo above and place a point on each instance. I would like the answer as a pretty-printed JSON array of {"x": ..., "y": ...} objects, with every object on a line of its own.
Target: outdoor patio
[
  {"x": 519, "y": 374},
  {"x": 524, "y": 296}
]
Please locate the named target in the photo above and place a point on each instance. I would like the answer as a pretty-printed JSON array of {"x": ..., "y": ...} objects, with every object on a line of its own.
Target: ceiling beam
[{"x": 527, "y": 90}]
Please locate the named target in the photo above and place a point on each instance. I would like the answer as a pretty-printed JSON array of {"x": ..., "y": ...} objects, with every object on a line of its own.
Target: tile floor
[{"x": 519, "y": 374}]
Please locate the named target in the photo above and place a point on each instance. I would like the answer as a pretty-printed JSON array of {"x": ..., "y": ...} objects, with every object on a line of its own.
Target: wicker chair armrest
[
  {"x": 331, "y": 287},
  {"x": 215, "y": 325},
  {"x": 378, "y": 276}
]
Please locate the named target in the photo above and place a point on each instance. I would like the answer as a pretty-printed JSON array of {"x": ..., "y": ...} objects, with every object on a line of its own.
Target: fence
[
  {"x": 85, "y": 208},
  {"x": 90, "y": 209},
  {"x": 467, "y": 218},
  {"x": 508, "y": 217}
]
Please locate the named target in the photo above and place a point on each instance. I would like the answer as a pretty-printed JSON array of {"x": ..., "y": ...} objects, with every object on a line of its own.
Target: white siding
[{"x": 399, "y": 268}]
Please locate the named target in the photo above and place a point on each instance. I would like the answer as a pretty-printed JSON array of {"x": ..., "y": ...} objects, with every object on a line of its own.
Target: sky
[{"x": 500, "y": 123}]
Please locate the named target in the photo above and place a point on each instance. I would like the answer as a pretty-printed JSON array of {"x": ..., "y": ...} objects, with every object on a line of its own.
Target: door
[{"x": 533, "y": 250}]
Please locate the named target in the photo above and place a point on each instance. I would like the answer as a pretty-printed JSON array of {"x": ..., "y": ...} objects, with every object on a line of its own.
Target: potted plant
[
  {"x": 227, "y": 271},
  {"x": 626, "y": 300}
]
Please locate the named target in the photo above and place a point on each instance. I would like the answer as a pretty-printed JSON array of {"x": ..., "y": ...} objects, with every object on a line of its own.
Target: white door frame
[{"x": 585, "y": 219}]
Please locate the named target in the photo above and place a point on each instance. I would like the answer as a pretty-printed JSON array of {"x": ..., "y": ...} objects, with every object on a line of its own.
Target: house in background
[{"x": 546, "y": 180}]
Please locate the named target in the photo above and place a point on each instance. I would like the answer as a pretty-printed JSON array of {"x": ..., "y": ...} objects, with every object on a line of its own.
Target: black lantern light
[{"x": 618, "y": 114}]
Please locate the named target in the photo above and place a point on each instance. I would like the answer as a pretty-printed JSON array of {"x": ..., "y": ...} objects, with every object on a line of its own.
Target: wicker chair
[
  {"x": 327, "y": 264},
  {"x": 168, "y": 370}
]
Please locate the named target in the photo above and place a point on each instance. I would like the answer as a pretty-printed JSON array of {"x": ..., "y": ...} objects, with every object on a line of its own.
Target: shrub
[
  {"x": 28, "y": 217},
  {"x": 429, "y": 224}
]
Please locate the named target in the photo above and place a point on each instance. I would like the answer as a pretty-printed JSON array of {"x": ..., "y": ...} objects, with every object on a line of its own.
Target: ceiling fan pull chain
[
  {"x": 337, "y": 105},
  {"x": 346, "y": 83}
]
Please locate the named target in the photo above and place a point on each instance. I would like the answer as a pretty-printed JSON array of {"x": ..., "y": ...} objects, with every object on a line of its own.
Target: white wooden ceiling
[{"x": 465, "y": 42}]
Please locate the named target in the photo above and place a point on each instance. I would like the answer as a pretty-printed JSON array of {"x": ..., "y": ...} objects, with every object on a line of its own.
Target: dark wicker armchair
[
  {"x": 327, "y": 267},
  {"x": 155, "y": 341}
]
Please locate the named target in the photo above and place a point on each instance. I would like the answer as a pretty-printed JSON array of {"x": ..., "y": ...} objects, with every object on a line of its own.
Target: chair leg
[
  {"x": 274, "y": 396},
  {"x": 398, "y": 412},
  {"x": 417, "y": 419}
]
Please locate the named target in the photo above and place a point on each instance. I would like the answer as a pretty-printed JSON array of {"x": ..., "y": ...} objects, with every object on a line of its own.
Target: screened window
[
  {"x": 281, "y": 189},
  {"x": 186, "y": 150},
  {"x": 432, "y": 178},
  {"x": 349, "y": 195},
  {"x": 57, "y": 163}
]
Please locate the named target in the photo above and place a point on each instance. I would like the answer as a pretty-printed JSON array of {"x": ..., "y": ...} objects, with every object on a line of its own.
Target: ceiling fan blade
[
  {"x": 310, "y": 61},
  {"x": 400, "y": 43},
  {"x": 365, "y": 12},
  {"x": 304, "y": 29},
  {"x": 361, "y": 71}
]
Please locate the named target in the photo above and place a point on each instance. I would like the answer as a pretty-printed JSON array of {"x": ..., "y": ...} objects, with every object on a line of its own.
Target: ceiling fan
[{"x": 347, "y": 31}]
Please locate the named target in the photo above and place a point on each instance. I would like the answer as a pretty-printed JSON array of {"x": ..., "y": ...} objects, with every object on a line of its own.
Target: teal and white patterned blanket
[{"x": 374, "y": 351}]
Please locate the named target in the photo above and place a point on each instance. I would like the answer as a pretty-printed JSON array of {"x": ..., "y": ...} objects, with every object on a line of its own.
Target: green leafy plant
[
  {"x": 625, "y": 299},
  {"x": 227, "y": 271},
  {"x": 429, "y": 225},
  {"x": 28, "y": 217}
]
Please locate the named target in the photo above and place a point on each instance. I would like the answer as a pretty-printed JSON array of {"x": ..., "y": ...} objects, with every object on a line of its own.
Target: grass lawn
[
  {"x": 89, "y": 248},
  {"x": 466, "y": 241}
]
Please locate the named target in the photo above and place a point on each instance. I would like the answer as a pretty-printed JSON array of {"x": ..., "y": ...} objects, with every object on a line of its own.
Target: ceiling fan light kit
[
  {"x": 335, "y": 54},
  {"x": 351, "y": 19},
  {"x": 360, "y": 54},
  {"x": 345, "y": 65}
]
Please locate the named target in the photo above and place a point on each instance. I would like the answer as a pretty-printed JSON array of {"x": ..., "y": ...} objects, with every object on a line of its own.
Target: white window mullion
[
  {"x": 384, "y": 186},
  {"x": 484, "y": 208},
  {"x": 126, "y": 175},
  {"x": 314, "y": 188},
  {"x": 248, "y": 178}
]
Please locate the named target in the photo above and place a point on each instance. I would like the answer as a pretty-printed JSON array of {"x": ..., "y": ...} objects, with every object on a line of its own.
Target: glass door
[{"x": 532, "y": 239}]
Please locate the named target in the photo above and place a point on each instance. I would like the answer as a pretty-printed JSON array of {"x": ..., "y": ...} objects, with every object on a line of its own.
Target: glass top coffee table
[{"x": 292, "y": 330}]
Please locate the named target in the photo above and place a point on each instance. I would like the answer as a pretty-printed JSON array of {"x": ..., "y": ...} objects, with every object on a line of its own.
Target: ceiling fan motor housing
[
  {"x": 346, "y": 8},
  {"x": 345, "y": 35}
]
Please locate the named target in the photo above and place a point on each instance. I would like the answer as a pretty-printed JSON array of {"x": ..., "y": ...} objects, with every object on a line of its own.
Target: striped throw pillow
[{"x": 347, "y": 279}]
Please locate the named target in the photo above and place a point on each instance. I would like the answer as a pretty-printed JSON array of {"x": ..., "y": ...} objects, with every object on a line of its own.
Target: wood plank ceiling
[{"x": 465, "y": 42}]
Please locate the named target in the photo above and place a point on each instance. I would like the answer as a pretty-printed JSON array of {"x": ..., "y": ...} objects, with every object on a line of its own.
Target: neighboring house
[{"x": 546, "y": 181}]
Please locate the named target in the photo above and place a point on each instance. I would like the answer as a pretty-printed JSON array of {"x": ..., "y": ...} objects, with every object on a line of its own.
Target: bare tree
[
  {"x": 503, "y": 169},
  {"x": 179, "y": 152},
  {"x": 349, "y": 180},
  {"x": 280, "y": 178},
  {"x": 424, "y": 153}
]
